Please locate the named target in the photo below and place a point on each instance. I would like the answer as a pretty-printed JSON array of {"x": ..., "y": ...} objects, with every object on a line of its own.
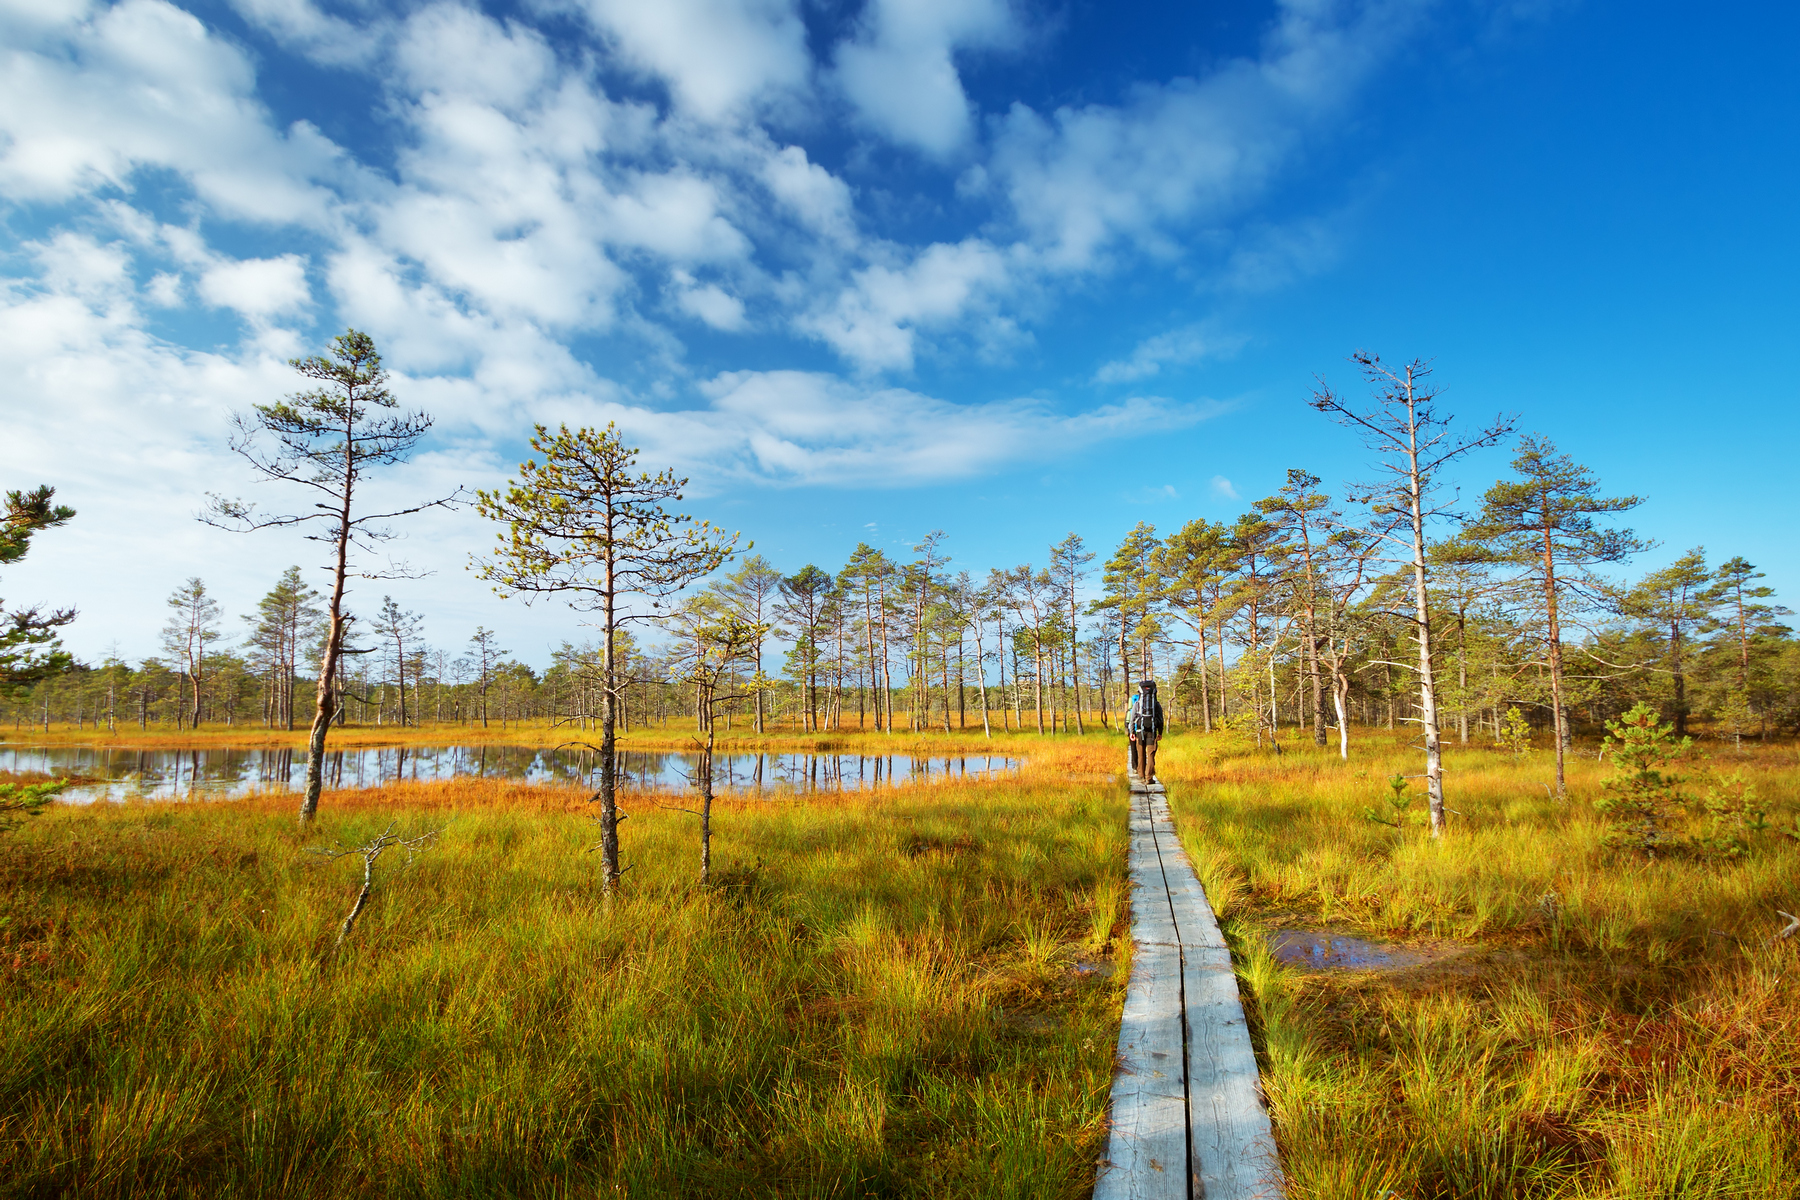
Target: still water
[{"x": 220, "y": 773}]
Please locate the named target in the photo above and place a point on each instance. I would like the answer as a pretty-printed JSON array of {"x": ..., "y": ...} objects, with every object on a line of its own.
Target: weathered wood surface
[{"x": 1187, "y": 1116}]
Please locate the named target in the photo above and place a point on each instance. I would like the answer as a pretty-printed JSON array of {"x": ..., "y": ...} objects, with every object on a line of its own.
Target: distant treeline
[{"x": 1212, "y": 611}]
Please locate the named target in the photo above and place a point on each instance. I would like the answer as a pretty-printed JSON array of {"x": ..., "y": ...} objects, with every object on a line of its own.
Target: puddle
[
  {"x": 1087, "y": 970},
  {"x": 1317, "y": 950}
]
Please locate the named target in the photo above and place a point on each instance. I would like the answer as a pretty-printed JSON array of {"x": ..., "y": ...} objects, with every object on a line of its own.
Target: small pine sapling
[
  {"x": 1399, "y": 799},
  {"x": 1641, "y": 798},
  {"x": 1736, "y": 817},
  {"x": 25, "y": 800},
  {"x": 1515, "y": 732}
]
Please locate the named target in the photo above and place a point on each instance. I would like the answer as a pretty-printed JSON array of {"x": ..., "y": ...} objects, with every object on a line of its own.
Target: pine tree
[
  {"x": 1544, "y": 522},
  {"x": 1069, "y": 563},
  {"x": 1131, "y": 588},
  {"x": 29, "y": 649},
  {"x": 285, "y": 620},
  {"x": 1677, "y": 603},
  {"x": 806, "y": 607},
  {"x": 752, "y": 592},
  {"x": 868, "y": 576},
  {"x": 330, "y": 439},
  {"x": 1734, "y": 589},
  {"x": 585, "y": 526}
]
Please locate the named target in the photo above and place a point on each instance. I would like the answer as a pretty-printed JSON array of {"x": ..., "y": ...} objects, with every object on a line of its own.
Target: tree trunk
[
  {"x": 1075, "y": 656},
  {"x": 1221, "y": 642},
  {"x": 1681, "y": 704},
  {"x": 1124, "y": 648},
  {"x": 1428, "y": 714},
  {"x": 325, "y": 705},
  {"x": 706, "y": 802},
  {"x": 981, "y": 675},
  {"x": 1556, "y": 680},
  {"x": 609, "y": 781}
]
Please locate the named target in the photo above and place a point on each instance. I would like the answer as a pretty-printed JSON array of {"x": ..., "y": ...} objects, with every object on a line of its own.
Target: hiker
[{"x": 1144, "y": 724}]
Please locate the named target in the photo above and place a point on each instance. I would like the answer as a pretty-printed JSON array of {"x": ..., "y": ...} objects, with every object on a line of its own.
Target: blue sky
[{"x": 864, "y": 270}]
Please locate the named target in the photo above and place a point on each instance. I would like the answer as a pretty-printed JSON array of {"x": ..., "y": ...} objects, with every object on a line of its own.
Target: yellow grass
[
  {"x": 876, "y": 996},
  {"x": 1595, "y": 1024},
  {"x": 1599, "y": 1024}
]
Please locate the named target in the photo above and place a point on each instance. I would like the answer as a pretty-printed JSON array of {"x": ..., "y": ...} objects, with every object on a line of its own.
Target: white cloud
[
  {"x": 1271, "y": 258},
  {"x": 510, "y": 207},
  {"x": 873, "y": 322},
  {"x": 144, "y": 84},
  {"x": 258, "y": 288},
  {"x": 165, "y": 290},
  {"x": 1151, "y": 494},
  {"x": 818, "y": 198},
  {"x": 1221, "y": 488},
  {"x": 1176, "y": 347},
  {"x": 1086, "y": 179},
  {"x": 709, "y": 303},
  {"x": 900, "y": 72},
  {"x": 321, "y": 36},
  {"x": 78, "y": 266},
  {"x": 448, "y": 48},
  {"x": 803, "y": 427},
  {"x": 717, "y": 56}
]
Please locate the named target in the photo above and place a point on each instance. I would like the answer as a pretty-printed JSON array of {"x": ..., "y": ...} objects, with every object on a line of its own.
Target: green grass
[
  {"x": 883, "y": 1007},
  {"x": 1602, "y": 1025}
]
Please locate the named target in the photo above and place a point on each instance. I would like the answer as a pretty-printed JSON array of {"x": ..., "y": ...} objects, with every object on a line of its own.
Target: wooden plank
[
  {"x": 1152, "y": 920},
  {"x": 1234, "y": 1147},
  {"x": 1147, "y": 1151},
  {"x": 1192, "y": 912},
  {"x": 1199, "y": 1129}
]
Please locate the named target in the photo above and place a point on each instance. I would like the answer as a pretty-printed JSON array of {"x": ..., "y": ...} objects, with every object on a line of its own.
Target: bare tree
[
  {"x": 369, "y": 851},
  {"x": 1296, "y": 510},
  {"x": 1069, "y": 563},
  {"x": 1344, "y": 572},
  {"x": 400, "y": 628},
  {"x": 1413, "y": 445},
  {"x": 1035, "y": 597},
  {"x": 585, "y": 527},
  {"x": 484, "y": 645},
  {"x": 192, "y": 627},
  {"x": 977, "y": 604},
  {"x": 329, "y": 439}
]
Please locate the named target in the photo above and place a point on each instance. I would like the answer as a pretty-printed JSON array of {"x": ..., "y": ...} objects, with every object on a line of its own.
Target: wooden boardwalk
[{"x": 1187, "y": 1114}]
